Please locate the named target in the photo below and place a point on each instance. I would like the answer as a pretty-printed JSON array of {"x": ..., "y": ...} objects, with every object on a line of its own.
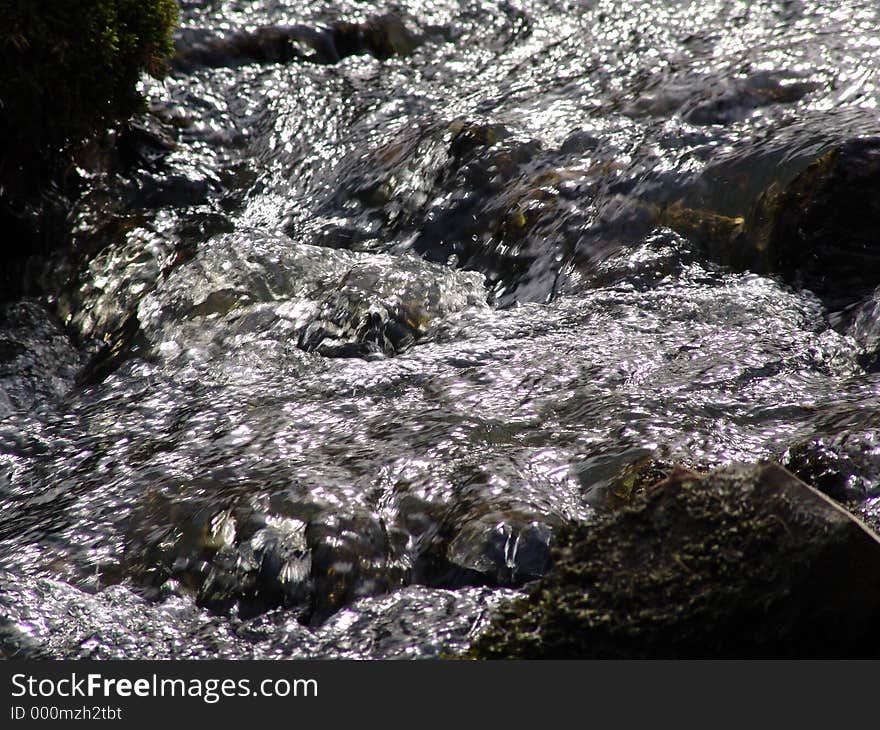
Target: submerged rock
[
  {"x": 274, "y": 294},
  {"x": 478, "y": 197},
  {"x": 865, "y": 330},
  {"x": 501, "y": 550},
  {"x": 714, "y": 101},
  {"x": 747, "y": 561},
  {"x": 845, "y": 466},
  {"x": 380, "y": 36},
  {"x": 313, "y": 559},
  {"x": 249, "y": 561}
]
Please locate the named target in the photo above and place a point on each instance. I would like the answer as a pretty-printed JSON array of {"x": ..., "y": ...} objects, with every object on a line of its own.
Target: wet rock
[
  {"x": 381, "y": 36},
  {"x": 353, "y": 557},
  {"x": 821, "y": 229},
  {"x": 170, "y": 191},
  {"x": 717, "y": 232},
  {"x": 818, "y": 230},
  {"x": 488, "y": 533},
  {"x": 197, "y": 48},
  {"x": 471, "y": 194},
  {"x": 865, "y": 330},
  {"x": 33, "y": 226},
  {"x": 118, "y": 177},
  {"x": 612, "y": 481},
  {"x": 731, "y": 101},
  {"x": 230, "y": 559},
  {"x": 123, "y": 343},
  {"x": 503, "y": 549},
  {"x": 146, "y": 142},
  {"x": 579, "y": 142},
  {"x": 747, "y": 561},
  {"x": 38, "y": 361},
  {"x": 385, "y": 332}
]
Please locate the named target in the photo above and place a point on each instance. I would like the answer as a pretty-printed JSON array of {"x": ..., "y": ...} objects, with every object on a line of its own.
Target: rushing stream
[{"x": 380, "y": 295}]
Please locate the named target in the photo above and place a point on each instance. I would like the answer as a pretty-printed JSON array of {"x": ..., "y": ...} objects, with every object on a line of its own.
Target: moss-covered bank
[
  {"x": 69, "y": 68},
  {"x": 68, "y": 71}
]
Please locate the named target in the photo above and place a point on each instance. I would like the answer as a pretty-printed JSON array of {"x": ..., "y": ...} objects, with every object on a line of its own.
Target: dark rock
[
  {"x": 32, "y": 227},
  {"x": 196, "y": 48},
  {"x": 123, "y": 343},
  {"x": 730, "y": 101},
  {"x": 613, "y": 480},
  {"x": 379, "y": 333},
  {"x": 702, "y": 100},
  {"x": 502, "y": 549},
  {"x": 817, "y": 230},
  {"x": 381, "y": 36},
  {"x": 579, "y": 142},
  {"x": 865, "y": 330},
  {"x": 471, "y": 194},
  {"x": 747, "y": 561},
  {"x": 821, "y": 229},
  {"x": 38, "y": 361},
  {"x": 170, "y": 191},
  {"x": 482, "y": 536},
  {"x": 146, "y": 142},
  {"x": 352, "y": 557}
]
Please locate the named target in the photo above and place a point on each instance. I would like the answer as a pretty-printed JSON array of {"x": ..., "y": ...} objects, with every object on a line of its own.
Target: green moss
[
  {"x": 704, "y": 226},
  {"x": 69, "y": 68}
]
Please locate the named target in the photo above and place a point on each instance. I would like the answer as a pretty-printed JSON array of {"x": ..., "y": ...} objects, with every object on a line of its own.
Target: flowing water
[{"x": 380, "y": 297}]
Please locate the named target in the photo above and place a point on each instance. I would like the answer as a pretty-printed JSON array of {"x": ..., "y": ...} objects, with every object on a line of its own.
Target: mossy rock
[
  {"x": 747, "y": 561},
  {"x": 717, "y": 233},
  {"x": 69, "y": 68}
]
